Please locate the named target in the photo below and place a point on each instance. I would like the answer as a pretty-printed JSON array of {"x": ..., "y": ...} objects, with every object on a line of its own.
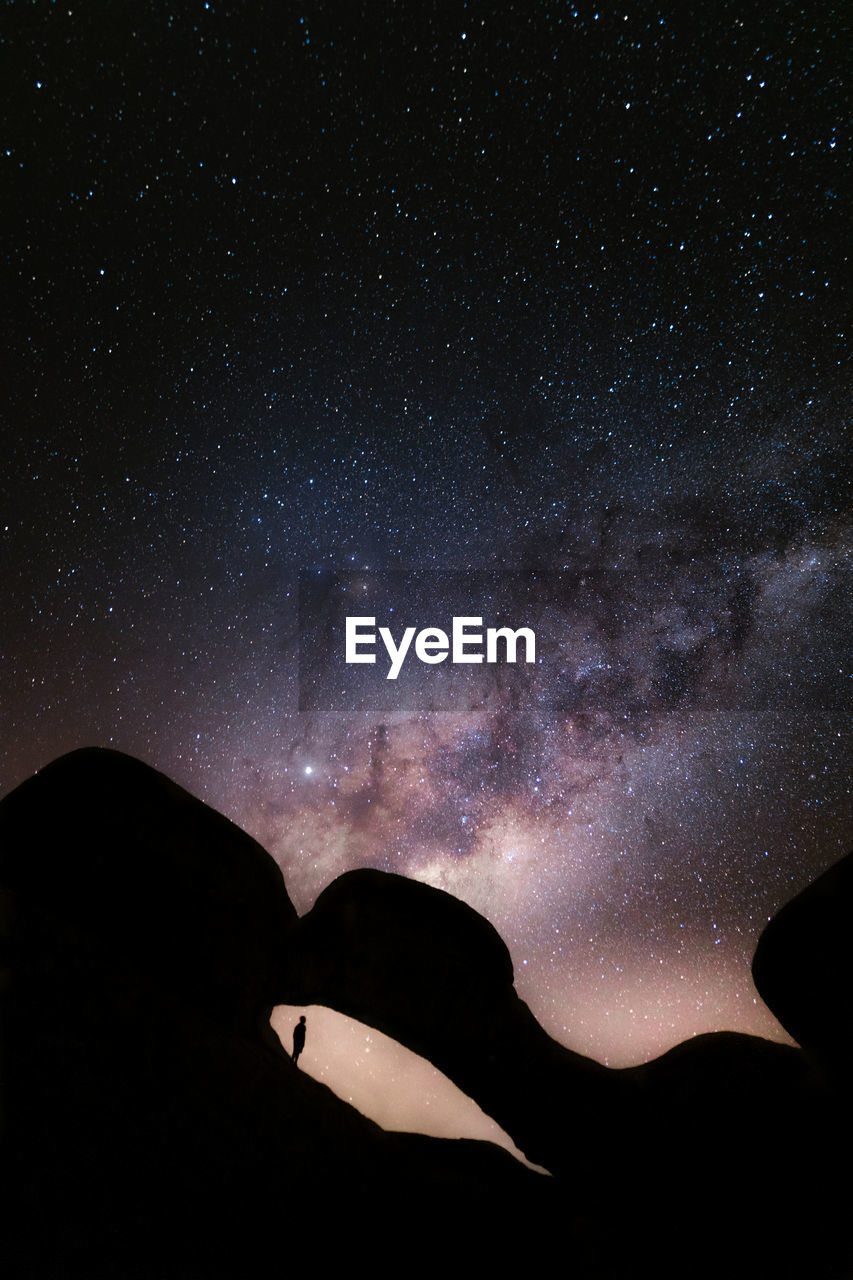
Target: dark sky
[{"x": 549, "y": 291}]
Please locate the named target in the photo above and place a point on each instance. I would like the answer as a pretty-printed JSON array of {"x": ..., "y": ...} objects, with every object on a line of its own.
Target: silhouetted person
[{"x": 298, "y": 1038}]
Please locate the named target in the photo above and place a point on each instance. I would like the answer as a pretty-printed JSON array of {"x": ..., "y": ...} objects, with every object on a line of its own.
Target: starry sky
[{"x": 547, "y": 291}]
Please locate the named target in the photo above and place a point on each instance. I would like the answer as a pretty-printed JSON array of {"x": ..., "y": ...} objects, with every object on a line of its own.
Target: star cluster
[{"x": 540, "y": 288}]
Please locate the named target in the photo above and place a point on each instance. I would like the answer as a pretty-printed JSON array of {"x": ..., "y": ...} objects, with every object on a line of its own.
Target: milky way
[{"x": 536, "y": 290}]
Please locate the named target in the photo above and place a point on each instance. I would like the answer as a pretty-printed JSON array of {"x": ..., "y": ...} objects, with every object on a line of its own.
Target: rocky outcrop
[
  {"x": 726, "y": 1127},
  {"x": 118, "y": 876},
  {"x": 154, "y": 1129},
  {"x": 429, "y": 971},
  {"x": 803, "y": 965},
  {"x": 152, "y": 1125}
]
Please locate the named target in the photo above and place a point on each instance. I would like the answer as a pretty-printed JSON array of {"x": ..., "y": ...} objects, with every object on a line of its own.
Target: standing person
[{"x": 298, "y": 1038}]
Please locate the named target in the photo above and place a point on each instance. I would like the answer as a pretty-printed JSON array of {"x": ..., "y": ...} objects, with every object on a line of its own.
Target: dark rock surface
[
  {"x": 135, "y": 881},
  {"x": 803, "y": 965},
  {"x": 739, "y": 1137},
  {"x": 153, "y": 1127},
  {"x": 429, "y": 971},
  {"x": 726, "y": 1128}
]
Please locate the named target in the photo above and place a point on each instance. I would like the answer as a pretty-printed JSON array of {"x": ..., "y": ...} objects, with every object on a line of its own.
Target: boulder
[
  {"x": 151, "y": 1125},
  {"x": 429, "y": 971},
  {"x": 803, "y": 965},
  {"x": 116, "y": 874}
]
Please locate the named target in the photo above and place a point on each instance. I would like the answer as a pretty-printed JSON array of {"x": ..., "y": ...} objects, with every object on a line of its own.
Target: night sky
[{"x": 545, "y": 290}]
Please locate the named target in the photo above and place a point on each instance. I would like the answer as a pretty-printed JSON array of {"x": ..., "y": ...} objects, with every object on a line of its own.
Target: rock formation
[
  {"x": 153, "y": 1127},
  {"x": 429, "y": 971},
  {"x": 152, "y": 1124},
  {"x": 803, "y": 966}
]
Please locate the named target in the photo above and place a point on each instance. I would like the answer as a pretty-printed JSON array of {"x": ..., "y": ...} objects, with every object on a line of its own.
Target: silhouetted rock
[
  {"x": 803, "y": 965},
  {"x": 429, "y": 971},
  {"x": 154, "y": 1127},
  {"x": 734, "y": 1130},
  {"x": 121, "y": 871},
  {"x": 725, "y": 1128}
]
